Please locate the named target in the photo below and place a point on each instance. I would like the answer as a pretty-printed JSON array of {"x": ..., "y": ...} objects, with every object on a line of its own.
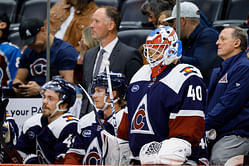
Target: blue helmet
[
  {"x": 118, "y": 82},
  {"x": 66, "y": 89}
]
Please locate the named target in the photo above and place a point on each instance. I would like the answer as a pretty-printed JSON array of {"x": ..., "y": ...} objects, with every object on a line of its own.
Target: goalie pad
[
  {"x": 170, "y": 151},
  {"x": 115, "y": 151}
]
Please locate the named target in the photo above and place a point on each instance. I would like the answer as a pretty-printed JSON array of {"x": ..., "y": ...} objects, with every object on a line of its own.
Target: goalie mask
[
  {"x": 162, "y": 47},
  {"x": 66, "y": 90}
]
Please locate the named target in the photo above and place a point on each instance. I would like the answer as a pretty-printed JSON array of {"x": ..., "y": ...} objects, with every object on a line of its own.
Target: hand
[
  {"x": 6, "y": 132},
  {"x": 31, "y": 89},
  {"x": 211, "y": 135}
]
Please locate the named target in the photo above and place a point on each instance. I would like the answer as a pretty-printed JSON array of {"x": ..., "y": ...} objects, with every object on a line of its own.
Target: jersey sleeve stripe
[{"x": 199, "y": 113}]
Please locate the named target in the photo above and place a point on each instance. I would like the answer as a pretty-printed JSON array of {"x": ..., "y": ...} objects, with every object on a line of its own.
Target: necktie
[{"x": 96, "y": 71}]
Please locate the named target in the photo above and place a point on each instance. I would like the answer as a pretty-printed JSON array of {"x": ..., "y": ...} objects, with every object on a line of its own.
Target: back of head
[
  {"x": 5, "y": 31},
  {"x": 113, "y": 14},
  {"x": 157, "y": 6},
  {"x": 66, "y": 89},
  {"x": 29, "y": 28},
  {"x": 187, "y": 9},
  {"x": 240, "y": 34}
]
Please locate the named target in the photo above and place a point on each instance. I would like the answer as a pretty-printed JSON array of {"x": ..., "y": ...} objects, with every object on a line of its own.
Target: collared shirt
[{"x": 108, "y": 50}]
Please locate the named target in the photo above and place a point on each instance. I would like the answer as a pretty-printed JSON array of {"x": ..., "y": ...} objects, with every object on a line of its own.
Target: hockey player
[
  {"x": 92, "y": 145},
  {"x": 45, "y": 137},
  {"x": 166, "y": 102}
]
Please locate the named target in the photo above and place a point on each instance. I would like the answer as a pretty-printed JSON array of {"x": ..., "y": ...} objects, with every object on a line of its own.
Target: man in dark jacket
[{"x": 228, "y": 98}]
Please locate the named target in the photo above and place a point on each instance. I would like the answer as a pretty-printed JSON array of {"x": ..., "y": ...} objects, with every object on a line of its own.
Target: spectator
[
  {"x": 68, "y": 17},
  {"x": 86, "y": 42},
  {"x": 123, "y": 59},
  {"x": 84, "y": 146},
  {"x": 9, "y": 57},
  {"x": 163, "y": 15},
  {"x": 153, "y": 8},
  {"x": 227, "y": 108},
  {"x": 166, "y": 104},
  {"x": 199, "y": 47},
  {"x": 45, "y": 137},
  {"x": 32, "y": 70}
]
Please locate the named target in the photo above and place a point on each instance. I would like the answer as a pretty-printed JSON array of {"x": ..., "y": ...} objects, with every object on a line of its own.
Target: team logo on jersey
[
  {"x": 223, "y": 80},
  {"x": 187, "y": 70},
  {"x": 93, "y": 154},
  {"x": 134, "y": 88},
  {"x": 39, "y": 67},
  {"x": 86, "y": 133},
  {"x": 140, "y": 121},
  {"x": 69, "y": 118},
  {"x": 31, "y": 135}
]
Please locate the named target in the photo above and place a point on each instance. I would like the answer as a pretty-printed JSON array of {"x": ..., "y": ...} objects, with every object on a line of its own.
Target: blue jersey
[
  {"x": 88, "y": 144},
  {"x": 172, "y": 106},
  {"x": 9, "y": 59},
  {"x": 63, "y": 56},
  {"x": 49, "y": 141}
]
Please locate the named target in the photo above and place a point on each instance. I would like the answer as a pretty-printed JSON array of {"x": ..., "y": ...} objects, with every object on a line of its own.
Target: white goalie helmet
[{"x": 162, "y": 41}]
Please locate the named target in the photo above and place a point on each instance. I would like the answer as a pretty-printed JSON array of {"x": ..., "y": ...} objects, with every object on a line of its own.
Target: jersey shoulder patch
[
  {"x": 60, "y": 123},
  {"x": 178, "y": 75}
]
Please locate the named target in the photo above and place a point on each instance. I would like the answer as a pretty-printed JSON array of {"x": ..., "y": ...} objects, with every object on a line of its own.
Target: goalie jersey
[
  {"x": 49, "y": 142},
  {"x": 88, "y": 147},
  {"x": 171, "y": 106}
]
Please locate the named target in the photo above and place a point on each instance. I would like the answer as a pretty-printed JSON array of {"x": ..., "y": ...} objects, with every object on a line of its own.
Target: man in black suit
[{"x": 122, "y": 58}]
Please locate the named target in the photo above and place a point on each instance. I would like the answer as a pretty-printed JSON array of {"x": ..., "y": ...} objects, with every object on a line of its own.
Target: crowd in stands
[{"x": 175, "y": 98}]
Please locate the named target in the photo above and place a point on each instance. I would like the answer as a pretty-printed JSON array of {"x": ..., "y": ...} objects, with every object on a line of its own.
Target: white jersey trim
[
  {"x": 143, "y": 74},
  {"x": 32, "y": 121},
  {"x": 59, "y": 124},
  {"x": 85, "y": 121},
  {"x": 78, "y": 151},
  {"x": 199, "y": 113},
  {"x": 175, "y": 78}
]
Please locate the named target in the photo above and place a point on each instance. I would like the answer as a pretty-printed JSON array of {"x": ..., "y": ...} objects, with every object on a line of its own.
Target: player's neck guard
[{"x": 158, "y": 70}]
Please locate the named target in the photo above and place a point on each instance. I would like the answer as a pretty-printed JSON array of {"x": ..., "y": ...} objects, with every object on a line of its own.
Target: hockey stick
[
  {"x": 14, "y": 158},
  {"x": 107, "y": 63},
  {"x": 94, "y": 106}
]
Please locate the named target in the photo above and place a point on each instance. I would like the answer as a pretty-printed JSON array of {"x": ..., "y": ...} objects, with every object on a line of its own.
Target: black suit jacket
[{"x": 123, "y": 59}]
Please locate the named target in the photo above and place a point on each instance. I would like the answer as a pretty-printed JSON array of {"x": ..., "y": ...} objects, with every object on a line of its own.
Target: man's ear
[
  {"x": 63, "y": 106},
  {"x": 3, "y": 25},
  {"x": 111, "y": 25},
  {"x": 237, "y": 43}
]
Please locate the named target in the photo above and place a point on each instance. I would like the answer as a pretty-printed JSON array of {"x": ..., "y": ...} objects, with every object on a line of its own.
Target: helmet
[
  {"x": 66, "y": 90},
  {"x": 164, "y": 41},
  {"x": 118, "y": 82}
]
